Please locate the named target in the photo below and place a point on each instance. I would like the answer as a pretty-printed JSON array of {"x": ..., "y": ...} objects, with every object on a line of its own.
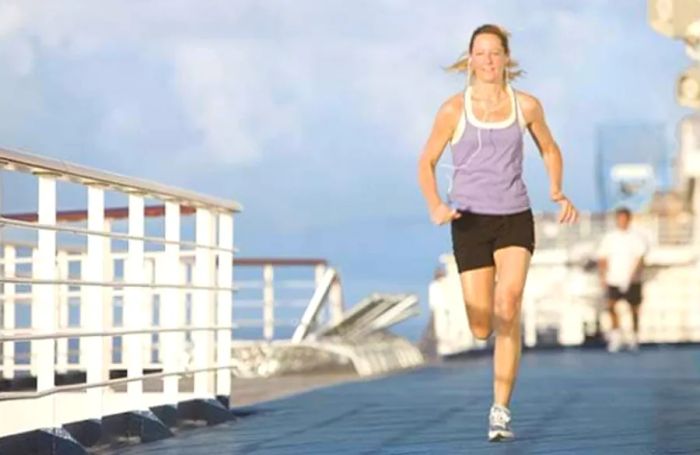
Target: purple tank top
[{"x": 488, "y": 166}]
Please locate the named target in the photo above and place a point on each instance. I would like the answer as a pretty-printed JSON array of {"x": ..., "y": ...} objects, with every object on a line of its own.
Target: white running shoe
[
  {"x": 499, "y": 424},
  {"x": 614, "y": 341}
]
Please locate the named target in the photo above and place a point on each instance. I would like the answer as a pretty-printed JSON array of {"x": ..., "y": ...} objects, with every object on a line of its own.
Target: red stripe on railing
[{"x": 115, "y": 213}]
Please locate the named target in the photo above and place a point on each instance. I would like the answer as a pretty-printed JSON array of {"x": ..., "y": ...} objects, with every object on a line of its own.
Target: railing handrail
[
  {"x": 111, "y": 235},
  {"x": 27, "y": 335},
  {"x": 26, "y": 162},
  {"x": 279, "y": 262},
  {"x": 110, "y": 213},
  {"x": 116, "y": 284},
  {"x": 7, "y": 396}
]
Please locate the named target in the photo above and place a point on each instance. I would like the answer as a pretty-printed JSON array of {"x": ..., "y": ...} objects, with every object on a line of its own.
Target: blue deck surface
[{"x": 578, "y": 401}]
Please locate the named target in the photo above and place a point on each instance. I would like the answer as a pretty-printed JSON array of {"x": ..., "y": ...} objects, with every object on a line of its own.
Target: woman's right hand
[
  {"x": 567, "y": 211},
  {"x": 443, "y": 214}
]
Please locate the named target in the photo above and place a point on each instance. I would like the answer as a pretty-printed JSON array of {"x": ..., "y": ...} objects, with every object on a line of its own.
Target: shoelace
[{"x": 500, "y": 416}]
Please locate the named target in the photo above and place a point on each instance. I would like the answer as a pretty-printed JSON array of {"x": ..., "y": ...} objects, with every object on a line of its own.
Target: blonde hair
[{"x": 462, "y": 64}]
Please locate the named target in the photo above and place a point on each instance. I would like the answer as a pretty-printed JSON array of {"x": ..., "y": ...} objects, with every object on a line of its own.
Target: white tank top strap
[
  {"x": 519, "y": 112},
  {"x": 459, "y": 129},
  {"x": 467, "y": 113}
]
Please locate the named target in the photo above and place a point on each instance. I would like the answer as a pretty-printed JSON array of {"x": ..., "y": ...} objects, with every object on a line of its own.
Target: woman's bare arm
[
  {"x": 443, "y": 128},
  {"x": 551, "y": 155}
]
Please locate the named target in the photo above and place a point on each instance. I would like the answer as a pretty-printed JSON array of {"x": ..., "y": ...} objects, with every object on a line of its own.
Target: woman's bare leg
[
  {"x": 477, "y": 290},
  {"x": 512, "y": 264}
]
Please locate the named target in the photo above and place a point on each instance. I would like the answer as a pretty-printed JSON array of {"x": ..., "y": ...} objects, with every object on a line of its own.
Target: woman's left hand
[{"x": 567, "y": 211}]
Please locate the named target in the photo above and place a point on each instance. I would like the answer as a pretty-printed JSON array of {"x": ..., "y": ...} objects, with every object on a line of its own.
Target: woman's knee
[
  {"x": 480, "y": 330},
  {"x": 479, "y": 321},
  {"x": 507, "y": 305}
]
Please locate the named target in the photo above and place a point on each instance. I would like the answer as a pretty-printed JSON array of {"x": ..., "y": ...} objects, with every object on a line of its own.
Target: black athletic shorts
[
  {"x": 633, "y": 294},
  {"x": 475, "y": 237}
]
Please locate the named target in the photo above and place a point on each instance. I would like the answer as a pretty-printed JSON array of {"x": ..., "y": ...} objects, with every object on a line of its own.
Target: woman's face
[{"x": 488, "y": 59}]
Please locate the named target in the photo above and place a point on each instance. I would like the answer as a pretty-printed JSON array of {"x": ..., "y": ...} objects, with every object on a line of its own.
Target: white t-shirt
[{"x": 622, "y": 250}]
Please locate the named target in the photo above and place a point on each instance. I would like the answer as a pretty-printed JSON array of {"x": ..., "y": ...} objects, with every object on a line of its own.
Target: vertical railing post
[
  {"x": 172, "y": 301},
  {"x": 43, "y": 307},
  {"x": 268, "y": 302},
  {"x": 83, "y": 356},
  {"x": 62, "y": 301},
  {"x": 201, "y": 304},
  {"x": 148, "y": 305},
  {"x": 33, "y": 346},
  {"x": 92, "y": 308},
  {"x": 134, "y": 301},
  {"x": 185, "y": 273},
  {"x": 8, "y": 348},
  {"x": 107, "y": 296},
  {"x": 224, "y": 315}
]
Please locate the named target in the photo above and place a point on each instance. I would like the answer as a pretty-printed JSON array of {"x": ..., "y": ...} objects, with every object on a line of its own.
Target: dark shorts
[
  {"x": 476, "y": 237},
  {"x": 633, "y": 294}
]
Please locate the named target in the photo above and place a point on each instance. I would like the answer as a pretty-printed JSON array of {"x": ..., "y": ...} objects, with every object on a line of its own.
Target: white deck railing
[{"x": 157, "y": 283}]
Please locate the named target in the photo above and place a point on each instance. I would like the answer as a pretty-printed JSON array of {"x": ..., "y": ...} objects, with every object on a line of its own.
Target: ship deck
[{"x": 566, "y": 401}]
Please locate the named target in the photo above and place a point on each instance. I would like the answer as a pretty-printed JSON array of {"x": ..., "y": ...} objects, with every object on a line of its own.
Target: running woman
[{"x": 491, "y": 220}]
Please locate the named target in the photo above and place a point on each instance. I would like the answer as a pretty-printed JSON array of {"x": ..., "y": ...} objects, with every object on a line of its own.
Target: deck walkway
[{"x": 577, "y": 401}]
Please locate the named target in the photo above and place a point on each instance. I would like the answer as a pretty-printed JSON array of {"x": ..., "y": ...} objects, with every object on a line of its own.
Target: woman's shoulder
[
  {"x": 453, "y": 106},
  {"x": 528, "y": 102}
]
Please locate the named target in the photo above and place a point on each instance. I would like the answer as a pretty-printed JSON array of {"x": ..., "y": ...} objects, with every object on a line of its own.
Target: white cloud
[
  {"x": 211, "y": 103},
  {"x": 246, "y": 73},
  {"x": 229, "y": 88},
  {"x": 10, "y": 19},
  {"x": 122, "y": 120},
  {"x": 18, "y": 57},
  {"x": 247, "y": 80}
]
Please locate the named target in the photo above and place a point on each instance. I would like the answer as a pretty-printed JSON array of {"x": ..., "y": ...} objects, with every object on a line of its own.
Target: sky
[{"x": 312, "y": 113}]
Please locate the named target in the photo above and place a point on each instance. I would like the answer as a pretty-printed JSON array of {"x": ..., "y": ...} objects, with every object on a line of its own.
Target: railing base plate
[
  {"x": 86, "y": 432},
  {"x": 49, "y": 441},
  {"x": 167, "y": 414},
  {"x": 142, "y": 424},
  {"x": 209, "y": 410}
]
